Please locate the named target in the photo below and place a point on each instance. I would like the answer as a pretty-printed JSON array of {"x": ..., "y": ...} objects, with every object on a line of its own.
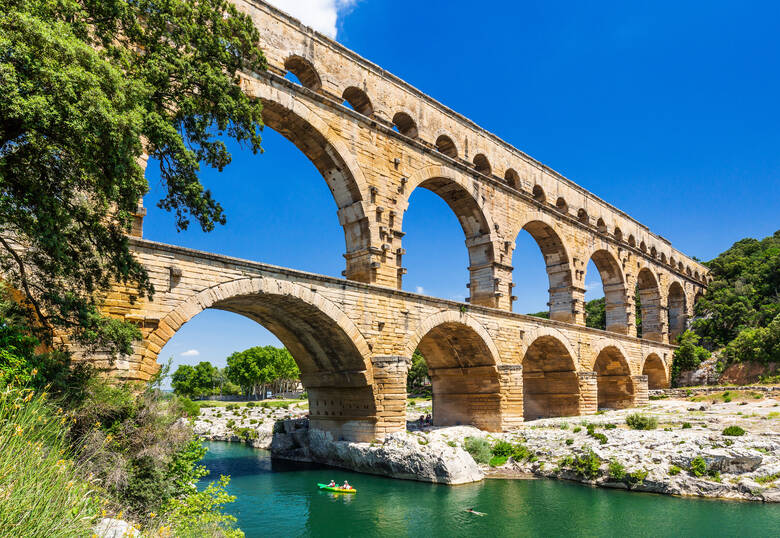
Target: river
[{"x": 281, "y": 499}]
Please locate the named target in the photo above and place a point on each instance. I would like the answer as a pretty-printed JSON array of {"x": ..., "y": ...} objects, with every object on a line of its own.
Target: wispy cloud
[
  {"x": 420, "y": 290},
  {"x": 322, "y": 15},
  {"x": 190, "y": 353}
]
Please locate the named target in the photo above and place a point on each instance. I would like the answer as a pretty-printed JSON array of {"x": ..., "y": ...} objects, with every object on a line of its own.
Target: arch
[
  {"x": 655, "y": 370},
  {"x": 650, "y": 298},
  {"x": 613, "y": 378},
  {"x": 643, "y": 247},
  {"x": 663, "y": 258},
  {"x": 538, "y": 194},
  {"x": 329, "y": 349},
  {"x": 673, "y": 262},
  {"x": 653, "y": 252},
  {"x": 613, "y": 283},
  {"x": 688, "y": 270},
  {"x": 446, "y": 146},
  {"x": 512, "y": 178},
  {"x": 358, "y": 100},
  {"x": 561, "y": 205},
  {"x": 481, "y": 164},
  {"x": 677, "y": 311},
  {"x": 305, "y": 71},
  {"x": 556, "y": 260},
  {"x": 582, "y": 216},
  {"x": 601, "y": 226},
  {"x": 550, "y": 383},
  {"x": 405, "y": 124},
  {"x": 618, "y": 234},
  {"x": 462, "y": 365},
  {"x": 680, "y": 266},
  {"x": 696, "y": 275},
  {"x": 631, "y": 240}
]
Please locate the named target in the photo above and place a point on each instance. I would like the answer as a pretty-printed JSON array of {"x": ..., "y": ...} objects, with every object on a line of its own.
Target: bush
[
  {"x": 479, "y": 449},
  {"x": 638, "y": 421},
  {"x": 569, "y": 441},
  {"x": 200, "y": 514},
  {"x": 251, "y": 404},
  {"x": 247, "y": 434},
  {"x": 637, "y": 477},
  {"x": 190, "y": 408},
  {"x": 610, "y": 426},
  {"x": 674, "y": 470},
  {"x": 502, "y": 449},
  {"x": 43, "y": 493},
  {"x": 231, "y": 407},
  {"x": 588, "y": 465},
  {"x": 698, "y": 466},
  {"x": 520, "y": 452},
  {"x": 577, "y": 429},
  {"x": 616, "y": 470},
  {"x": 734, "y": 431},
  {"x": 688, "y": 355},
  {"x": 497, "y": 461},
  {"x": 686, "y": 425}
]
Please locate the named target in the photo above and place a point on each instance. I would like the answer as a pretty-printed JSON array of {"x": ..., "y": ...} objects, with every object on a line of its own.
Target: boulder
[{"x": 114, "y": 528}]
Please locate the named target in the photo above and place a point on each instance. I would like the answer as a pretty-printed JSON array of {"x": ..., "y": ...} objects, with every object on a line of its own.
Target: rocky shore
[{"x": 686, "y": 454}]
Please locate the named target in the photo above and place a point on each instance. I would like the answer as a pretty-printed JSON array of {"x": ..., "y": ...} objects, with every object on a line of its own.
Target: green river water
[{"x": 281, "y": 499}]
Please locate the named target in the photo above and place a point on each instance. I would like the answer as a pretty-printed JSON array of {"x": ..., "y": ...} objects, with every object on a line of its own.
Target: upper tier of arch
[{"x": 334, "y": 72}]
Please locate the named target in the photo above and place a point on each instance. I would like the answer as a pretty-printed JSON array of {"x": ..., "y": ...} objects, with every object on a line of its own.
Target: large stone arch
[
  {"x": 615, "y": 386},
  {"x": 677, "y": 309},
  {"x": 650, "y": 298},
  {"x": 550, "y": 382},
  {"x": 329, "y": 349},
  {"x": 613, "y": 282},
  {"x": 566, "y": 302},
  {"x": 657, "y": 372},
  {"x": 463, "y": 367},
  {"x": 301, "y": 123},
  {"x": 458, "y": 192}
]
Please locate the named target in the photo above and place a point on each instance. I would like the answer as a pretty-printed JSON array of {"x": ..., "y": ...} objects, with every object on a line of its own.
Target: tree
[
  {"x": 255, "y": 368},
  {"x": 596, "y": 314},
  {"x": 88, "y": 88},
  {"x": 182, "y": 381},
  {"x": 418, "y": 372},
  {"x": 688, "y": 355}
]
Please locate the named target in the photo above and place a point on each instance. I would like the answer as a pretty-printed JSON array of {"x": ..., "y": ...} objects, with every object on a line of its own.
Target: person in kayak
[
  {"x": 332, "y": 484},
  {"x": 346, "y": 485}
]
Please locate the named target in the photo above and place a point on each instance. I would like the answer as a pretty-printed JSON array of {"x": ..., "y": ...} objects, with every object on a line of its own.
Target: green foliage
[
  {"x": 674, "y": 470},
  {"x": 600, "y": 437},
  {"x": 745, "y": 294},
  {"x": 544, "y": 314},
  {"x": 596, "y": 314},
  {"x": 502, "y": 448},
  {"x": 698, "y": 466},
  {"x": 497, "y": 461},
  {"x": 638, "y": 421},
  {"x": 734, "y": 431},
  {"x": 479, "y": 449},
  {"x": 418, "y": 372},
  {"x": 569, "y": 441},
  {"x": 43, "y": 491},
  {"x": 190, "y": 408},
  {"x": 257, "y": 367},
  {"x": 637, "y": 477},
  {"x": 247, "y": 434},
  {"x": 588, "y": 465},
  {"x": 688, "y": 355},
  {"x": 576, "y": 429},
  {"x": 767, "y": 479},
  {"x": 616, "y": 470},
  {"x": 758, "y": 344},
  {"x": 686, "y": 425},
  {"x": 88, "y": 87},
  {"x": 200, "y": 513}
]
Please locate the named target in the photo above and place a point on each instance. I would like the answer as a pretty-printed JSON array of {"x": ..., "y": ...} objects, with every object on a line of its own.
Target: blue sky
[{"x": 667, "y": 110}]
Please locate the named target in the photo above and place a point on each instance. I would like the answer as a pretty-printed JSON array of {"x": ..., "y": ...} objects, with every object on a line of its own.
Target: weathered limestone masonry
[
  {"x": 375, "y": 139},
  {"x": 354, "y": 341}
]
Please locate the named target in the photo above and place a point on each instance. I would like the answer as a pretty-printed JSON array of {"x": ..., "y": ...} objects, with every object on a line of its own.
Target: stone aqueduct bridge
[{"x": 375, "y": 139}]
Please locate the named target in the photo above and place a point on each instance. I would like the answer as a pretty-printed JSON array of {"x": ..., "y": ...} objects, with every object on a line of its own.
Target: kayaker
[
  {"x": 346, "y": 485},
  {"x": 332, "y": 484}
]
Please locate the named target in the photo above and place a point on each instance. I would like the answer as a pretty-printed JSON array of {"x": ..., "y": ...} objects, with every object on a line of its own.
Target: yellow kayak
[{"x": 337, "y": 489}]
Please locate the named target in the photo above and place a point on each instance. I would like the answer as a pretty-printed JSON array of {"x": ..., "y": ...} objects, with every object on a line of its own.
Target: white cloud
[
  {"x": 322, "y": 15},
  {"x": 190, "y": 353},
  {"x": 420, "y": 290}
]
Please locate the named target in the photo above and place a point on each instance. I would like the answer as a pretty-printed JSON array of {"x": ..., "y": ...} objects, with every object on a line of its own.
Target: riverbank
[{"x": 686, "y": 454}]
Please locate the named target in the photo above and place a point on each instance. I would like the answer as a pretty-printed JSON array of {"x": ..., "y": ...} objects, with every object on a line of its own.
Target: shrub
[
  {"x": 597, "y": 435},
  {"x": 715, "y": 475},
  {"x": 674, "y": 470},
  {"x": 686, "y": 425},
  {"x": 231, "y": 407},
  {"x": 577, "y": 429},
  {"x": 658, "y": 397},
  {"x": 569, "y": 441},
  {"x": 520, "y": 452},
  {"x": 638, "y": 421},
  {"x": 247, "y": 434},
  {"x": 479, "y": 449},
  {"x": 588, "y": 465},
  {"x": 231, "y": 423},
  {"x": 43, "y": 493},
  {"x": 190, "y": 408},
  {"x": 251, "y": 404},
  {"x": 766, "y": 479},
  {"x": 734, "y": 431},
  {"x": 610, "y": 426},
  {"x": 453, "y": 444},
  {"x": 200, "y": 514},
  {"x": 616, "y": 470},
  {"x": 637, "y": 477},
  {"x": 698, "y": 466},
  {"x": 688, "y": 355},
  {"x": 502, "y": 449},
  {"x": 564, "y": 425},
  {"x": 497, "y": 461}
]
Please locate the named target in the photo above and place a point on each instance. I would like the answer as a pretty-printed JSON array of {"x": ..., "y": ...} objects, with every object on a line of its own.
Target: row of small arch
[{"x": 405, "y": 124}]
